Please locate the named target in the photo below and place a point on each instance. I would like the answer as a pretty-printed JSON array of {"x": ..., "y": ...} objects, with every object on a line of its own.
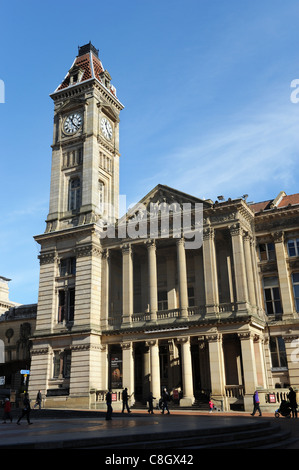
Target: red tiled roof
[
  {"x": 91, "y": 65},
  {"x": 260, "y": 206},
  {"x": 284, "y": 202},
  {"x": 287, "y": 200}
]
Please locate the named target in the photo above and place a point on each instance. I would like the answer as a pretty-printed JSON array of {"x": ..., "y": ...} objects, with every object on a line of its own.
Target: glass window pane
[{"x": 291, "y": 248}]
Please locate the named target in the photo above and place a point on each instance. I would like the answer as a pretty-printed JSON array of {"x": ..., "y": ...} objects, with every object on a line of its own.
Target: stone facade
[{"x": 115, "y": 309}]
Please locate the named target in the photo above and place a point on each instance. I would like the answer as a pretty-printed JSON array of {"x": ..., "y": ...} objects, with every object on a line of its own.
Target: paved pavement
[{"x": 71, "y": 429}]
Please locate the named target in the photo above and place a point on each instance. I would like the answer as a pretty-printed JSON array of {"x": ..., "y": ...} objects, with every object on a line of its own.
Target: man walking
[
  {"x": 256, "y": 404},
  {"x": 125, "y": 398},
  {"x": 109, "y": 406}
]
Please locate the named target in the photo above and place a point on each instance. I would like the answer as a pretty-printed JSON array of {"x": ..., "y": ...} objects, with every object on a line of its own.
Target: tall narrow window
[
  {"x": 272, "y": 295},
  {"x": 267, "y": 251},
  {"x": 162, "y": 300},
  {"x": 293, "y": 247},
  {"x": 295, "y": 279},
  {"x": 101, "y": 196},
  {"x": 74, "y": 194},
  {"x": 66, "y": 305},
  {"x": 278, "y": 352}
]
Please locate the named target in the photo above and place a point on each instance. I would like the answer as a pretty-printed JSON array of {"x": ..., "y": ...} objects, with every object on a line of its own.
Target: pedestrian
[
  {"x": 256, "y": 404},
  {"x": 26, "y": 409},
  {"x": 109, "y": 406},
  {"x": 165, "y": 399},
  {"x": 150, "y": 403},
  {"x": 293, "y": 402},
  {"x": 38, "y": 400},
  {"x": 211, "y": 405},
  {"x": 7, "y": 411},
  {"x": 125, "y": 398}
]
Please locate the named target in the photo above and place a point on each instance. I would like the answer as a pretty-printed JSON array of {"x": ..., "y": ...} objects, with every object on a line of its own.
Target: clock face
[
  {"x": 72, "y": 123},
  {"x": 106, "y": 128}
]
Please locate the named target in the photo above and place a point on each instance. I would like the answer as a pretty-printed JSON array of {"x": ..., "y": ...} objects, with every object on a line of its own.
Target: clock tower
[{"x": 84, "y": 191}]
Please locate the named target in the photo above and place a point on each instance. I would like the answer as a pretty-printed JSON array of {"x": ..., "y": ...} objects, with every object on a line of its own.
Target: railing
[
  {"x": 200, "y": 310},
  {"x": 234, "y": 391}
]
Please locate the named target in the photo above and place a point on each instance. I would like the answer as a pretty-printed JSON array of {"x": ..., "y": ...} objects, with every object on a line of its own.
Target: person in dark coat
[
  {"x": 125, "y": 398},
  {"x": 150, "y": 403},
  {"x": 38, "y": 400},
  {"x": 26, "y": 409},
  {"x": 293, "y": 402},
  {"x": 165, "y": 399},
  {"x": 109, "y": 406},
  {"x": 256, "y": 404}
]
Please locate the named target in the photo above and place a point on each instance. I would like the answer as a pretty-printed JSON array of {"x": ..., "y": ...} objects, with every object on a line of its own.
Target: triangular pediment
[
  {"x": 70, "y": 105},
  {"x": 160, "y": 196}
]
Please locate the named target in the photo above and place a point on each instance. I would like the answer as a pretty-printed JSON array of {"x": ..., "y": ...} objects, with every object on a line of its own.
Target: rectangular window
[
  {"x": 74, "y": 194},
  {"x": 191, "y": 298},
  {"x": 278, "y": 352},
  {"x": 67, "y": 266},
  {"x": 272, "y": 295},
  {"x": 295, "y": 281},
  {"x": 162, "y": 300},
  {"x": 62, "y": 364},
  {"x": 293, "y": 247},
  {"x": 66, "y": 305},
  {"x": 267, "y": 251}
]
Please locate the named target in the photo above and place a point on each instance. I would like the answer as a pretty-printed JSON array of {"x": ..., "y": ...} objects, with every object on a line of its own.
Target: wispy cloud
[{"x": 253, "y": 156}]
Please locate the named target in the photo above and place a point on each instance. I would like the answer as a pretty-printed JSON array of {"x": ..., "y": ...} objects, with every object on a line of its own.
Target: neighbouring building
[{"x": 135, "y": 302}]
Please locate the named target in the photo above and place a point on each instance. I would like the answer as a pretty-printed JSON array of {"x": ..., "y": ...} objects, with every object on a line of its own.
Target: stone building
[{"x": 207, "y": 308}]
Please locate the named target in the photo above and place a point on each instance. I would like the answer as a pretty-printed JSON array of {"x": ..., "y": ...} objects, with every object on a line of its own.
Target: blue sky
[{"x": 206, "y": 87}]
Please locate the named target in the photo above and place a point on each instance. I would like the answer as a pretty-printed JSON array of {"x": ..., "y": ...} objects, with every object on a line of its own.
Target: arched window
[{"x": 74, "y": 194}]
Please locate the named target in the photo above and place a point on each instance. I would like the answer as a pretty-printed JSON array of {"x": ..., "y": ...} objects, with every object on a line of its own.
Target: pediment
[
  {"x": 70, "y": 105},
  {"x": 162, "y": 196}
]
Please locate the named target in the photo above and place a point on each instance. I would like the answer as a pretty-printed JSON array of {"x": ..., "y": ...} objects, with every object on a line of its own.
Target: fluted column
[
  {"x": 127, "y": 283},
  {"x": 249, "y": 367},
  {"x": 187, "y": 377},
  {"x": 152, "y": 279},
  {"x": 249, "y": 272},
  {"x": 182, "y": 276},
  {"x": 105, "y": 287},
  {"x": 239, "y": 268},
  {"x": 217, "y": 368},
  {"x": 155, "y": 384},
  {"x": 128, "y": 368},
  {"x": 283, "y": 273},
  {"x": 210, "y": 272}
]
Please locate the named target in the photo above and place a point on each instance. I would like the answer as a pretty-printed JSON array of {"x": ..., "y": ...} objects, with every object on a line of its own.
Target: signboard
[
  {"x": 272, "y": 398},
  {"x": 24, "y": 372},
  {"x": 113, "y": 396},
  {"x": 116, "y": 364}
]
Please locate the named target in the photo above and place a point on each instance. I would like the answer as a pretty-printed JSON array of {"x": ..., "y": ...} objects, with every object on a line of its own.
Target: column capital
[
  {"x": 236, "y": 229},
  {"x": 126, "y": 345},
  {"x": 126, "y": 248},
  {"x": 278, "y": 237},
  {"x": 152, "y": 342},
  {"x": 208, "y": 233},
  {"x": 150, "y": 244}
]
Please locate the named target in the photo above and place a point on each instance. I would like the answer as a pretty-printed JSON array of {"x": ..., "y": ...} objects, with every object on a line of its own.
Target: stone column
[
  {"x": 152, "y": 279},
  {"x": 182, "y": 276},
  {"x": 128, "y": 368},
  {"x": 127, "y": 283},
  {"x": 155, "y": 385},
  {"x": 210, "y": 272},
  {"x": 283, "y": 274},
  {"x": 249, "y": 272},
  {"x": 249, "y": 368},
  {"x": 292, "y": 351},
  {"x": 217, "y": 369},
  {"x": 239, "y": 268},
  {"x": 187, "y": 376},
  {"x": 105, "y": 288}
]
